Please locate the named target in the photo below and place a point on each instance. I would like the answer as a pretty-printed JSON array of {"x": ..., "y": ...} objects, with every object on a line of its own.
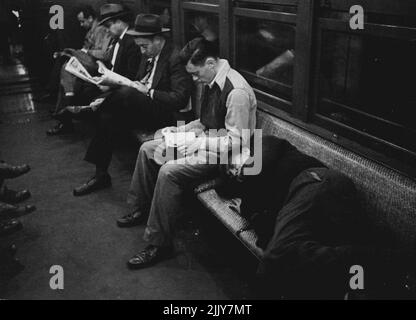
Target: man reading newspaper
[
  {"x": 123, "y": 58},
  {"x": 162, "y": 88}
]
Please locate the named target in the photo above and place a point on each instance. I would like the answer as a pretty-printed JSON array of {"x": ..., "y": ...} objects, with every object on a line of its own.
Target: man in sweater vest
[{"x": 228, "y": 106}]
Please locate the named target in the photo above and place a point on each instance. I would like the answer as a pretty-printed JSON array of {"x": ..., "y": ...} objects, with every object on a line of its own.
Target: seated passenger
[
  {"x": 122, "y": 57},
  {"x": 96, "y": 45},
  {"x": 228, "y": 105},
  {"x": 163, "y": 87}
]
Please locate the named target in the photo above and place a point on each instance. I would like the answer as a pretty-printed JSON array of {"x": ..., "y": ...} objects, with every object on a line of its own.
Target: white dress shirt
[{"x": 116, "y": 49}]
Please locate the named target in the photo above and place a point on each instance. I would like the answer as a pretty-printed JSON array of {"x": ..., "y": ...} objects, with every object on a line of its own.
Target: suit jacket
[
  {"x": 128, "y": 57},
  {"x": 172, "y": 85}
]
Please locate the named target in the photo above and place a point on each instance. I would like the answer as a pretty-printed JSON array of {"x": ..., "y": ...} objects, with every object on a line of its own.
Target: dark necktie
[{"x": 149, "y": 68}]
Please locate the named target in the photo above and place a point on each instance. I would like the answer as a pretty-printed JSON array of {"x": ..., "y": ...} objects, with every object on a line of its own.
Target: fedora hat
[
  {"x": 111, "y": 11},
  {"x": 147, "y": 25}
]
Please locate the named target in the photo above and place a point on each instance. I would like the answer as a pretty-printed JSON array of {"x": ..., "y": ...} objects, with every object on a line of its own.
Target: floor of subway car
[{"x": 80, "y": 234}]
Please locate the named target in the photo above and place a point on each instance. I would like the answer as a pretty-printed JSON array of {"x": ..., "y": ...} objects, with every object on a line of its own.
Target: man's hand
[
  {"x": 169, "y": 130},
  {"x": 104, "y": 88},
  {"x": 96, "y": 103},
  {"x": 173, "y": 129},
  {"x": 190, "y": 146},
  {"x": 140, "y": 87},
  {"x": 69, "y": 51}
]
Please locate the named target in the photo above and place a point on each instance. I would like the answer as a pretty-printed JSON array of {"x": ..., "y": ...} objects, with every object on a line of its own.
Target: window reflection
[
  {"x": 266, "y": 49},
  {"x": 164, "y": 11},
  {"x": 367, "y": 79},
  {"x": 199, "y": 24}
]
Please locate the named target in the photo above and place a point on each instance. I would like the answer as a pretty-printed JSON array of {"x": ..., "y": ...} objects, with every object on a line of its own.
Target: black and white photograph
[{"x": 214, "y": 157}]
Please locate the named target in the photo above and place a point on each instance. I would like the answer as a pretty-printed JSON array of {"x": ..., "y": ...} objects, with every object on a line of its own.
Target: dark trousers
[
  {"x": 124, "y": 109},
  {"x": 85, "y": 92},
  {"x": 55, "y": 76}
]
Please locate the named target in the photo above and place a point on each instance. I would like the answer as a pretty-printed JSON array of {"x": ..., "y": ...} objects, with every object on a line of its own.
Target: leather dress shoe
[
  {"x": 10, "y": 226},
  {"x": 94, "y": 184},
  {"x": 8, "y": 171},
  {"x": 149, "y": 256},
  {"x": 60, "y": 128},
  {"x": 8, "y": 211},
  {"x": 132, "y": 219},
  {"x": 13, "y": 197}
]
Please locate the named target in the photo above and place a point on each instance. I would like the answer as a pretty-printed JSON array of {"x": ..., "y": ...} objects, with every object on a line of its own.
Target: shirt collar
[
  {"x": 155, "y": 59},
  {"x": 221, "y": 76},
  {"x": 122, "y": 35}
]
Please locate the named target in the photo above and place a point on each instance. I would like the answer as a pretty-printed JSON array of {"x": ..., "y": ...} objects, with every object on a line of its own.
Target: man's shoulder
[
  {"x": 235, "y": 80},
  {"x": 101, "y": 30},
  {"x": 173, "y": 50},
  {"x": 129, "y": 41}
]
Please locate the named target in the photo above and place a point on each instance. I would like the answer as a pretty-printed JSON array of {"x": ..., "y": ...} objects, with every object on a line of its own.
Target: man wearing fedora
[
  {"x": 162, "y": 87},
  {"x": 123, "y": 57}
]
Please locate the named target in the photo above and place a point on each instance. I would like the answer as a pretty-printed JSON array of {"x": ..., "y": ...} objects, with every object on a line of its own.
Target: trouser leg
[
  {"x": 55, "y": 76},
  {"x": 173, "y": 178},
  {"x": 144, "y": 177},
  {"x": 67, "y": 81},
  {"x": 85, "y": 92},
  {"x": 124, "y": 109}
]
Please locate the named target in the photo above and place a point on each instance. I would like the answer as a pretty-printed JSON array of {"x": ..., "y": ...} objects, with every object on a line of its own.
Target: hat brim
[
  {"x": 117, "y": 15},
  {"x": 135, "y": 33}
]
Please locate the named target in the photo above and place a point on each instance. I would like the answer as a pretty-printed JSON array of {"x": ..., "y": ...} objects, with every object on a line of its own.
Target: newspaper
[
  {"x": 76, "y": 68},
  {"x": 107, "y": 77},
  {"x": 110, "y": 78}
]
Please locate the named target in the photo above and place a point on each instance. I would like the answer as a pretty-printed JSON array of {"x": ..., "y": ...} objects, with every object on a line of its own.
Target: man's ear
[{"x": 211, "y": 62}]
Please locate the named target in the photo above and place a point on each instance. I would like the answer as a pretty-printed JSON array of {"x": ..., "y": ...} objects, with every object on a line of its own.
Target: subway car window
[
  {"x": 365, "y": 84},
  {"x": 162, "y": 8},
  {"x": 201, "y": 24},
  {"x": 266, "y": 51},
  {"x": 366, "y": 79}
]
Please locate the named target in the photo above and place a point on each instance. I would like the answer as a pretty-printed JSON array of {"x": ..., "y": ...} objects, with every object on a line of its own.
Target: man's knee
[
  {"x": 169, "y": 172},
  {"x": 128, "y": 93},
  {"x": 148, "y": 149}
]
